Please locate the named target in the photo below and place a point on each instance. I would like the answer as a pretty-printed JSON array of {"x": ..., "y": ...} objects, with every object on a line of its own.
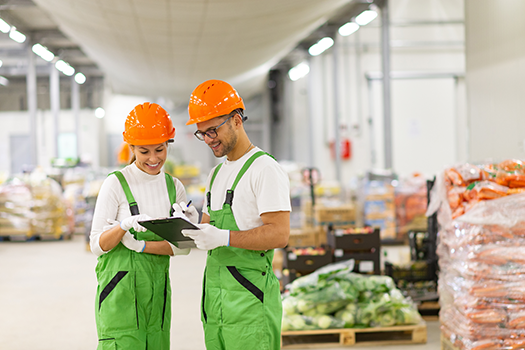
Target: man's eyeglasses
[{"x": 211, "y": 132}]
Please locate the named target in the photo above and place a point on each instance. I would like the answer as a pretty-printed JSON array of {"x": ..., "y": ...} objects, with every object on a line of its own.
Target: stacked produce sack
[
  {"x": 34, "y": 206},
  {"x": 335, "y": 297},
  {"x": 15, "y": 205},
  {"x": 411, "y": 205},
  {"x": 480, "y": 248}
]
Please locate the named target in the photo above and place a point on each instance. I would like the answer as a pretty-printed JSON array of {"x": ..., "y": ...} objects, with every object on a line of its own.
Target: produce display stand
[{"x": 347, "y": 337}]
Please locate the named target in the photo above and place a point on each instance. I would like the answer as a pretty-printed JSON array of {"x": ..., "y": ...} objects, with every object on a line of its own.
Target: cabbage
[
  {"x": 290, "y": 305},
  {"x": 347, "y": 317},
  {"x": 305, "y": 305}
]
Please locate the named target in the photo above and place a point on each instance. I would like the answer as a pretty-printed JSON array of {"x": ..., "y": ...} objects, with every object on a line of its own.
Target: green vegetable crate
[{"x": 347, "y": 337}]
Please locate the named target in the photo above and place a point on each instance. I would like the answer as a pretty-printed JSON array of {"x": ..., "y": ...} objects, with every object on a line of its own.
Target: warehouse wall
[
  {"x": 496, "y": 78},
  {"x": 18, "y": 124},
  {"x": 428, "y": 111}
]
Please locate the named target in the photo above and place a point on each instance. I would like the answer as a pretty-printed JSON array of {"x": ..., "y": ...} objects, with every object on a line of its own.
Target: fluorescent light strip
[
  {"x": 4, "y": 27},
  {"x": 16, "y": 35},
  {"x": 43, "y": 52},
  {"x": 365, "y": 17},
  {"x": 80, "y": 78},
  {"x": 348, "y": 28},
  {"x": 65, "y": 68},
  {"x": 298, "y": 71},
  {"x": 321, "y": 46}
]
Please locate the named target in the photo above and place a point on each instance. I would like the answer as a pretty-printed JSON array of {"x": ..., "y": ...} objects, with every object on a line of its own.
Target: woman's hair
[{"x": 133, "y": 159}]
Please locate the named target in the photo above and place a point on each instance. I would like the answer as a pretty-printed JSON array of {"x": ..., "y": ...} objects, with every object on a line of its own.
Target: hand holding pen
[{"x": 189, "y": 211}]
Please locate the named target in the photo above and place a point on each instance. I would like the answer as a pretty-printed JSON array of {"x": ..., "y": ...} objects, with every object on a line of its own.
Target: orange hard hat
[
  {"x": 124, "y": 154},
  {"x": 211, "y": 99},
  {"x": 148, "y": 124}
]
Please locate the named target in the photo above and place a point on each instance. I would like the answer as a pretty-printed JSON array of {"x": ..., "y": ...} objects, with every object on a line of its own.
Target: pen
[{"x": 187, "y": 206}]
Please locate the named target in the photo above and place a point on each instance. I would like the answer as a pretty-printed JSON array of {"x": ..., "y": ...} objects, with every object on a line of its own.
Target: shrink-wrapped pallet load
[{"x": 480, "y": 247}]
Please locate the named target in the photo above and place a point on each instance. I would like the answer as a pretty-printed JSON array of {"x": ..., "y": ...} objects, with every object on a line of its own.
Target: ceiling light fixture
[
  {"x": 348, "y": 28},
  {"x": 65, "y": 68},
  {"x": 365, "y": 17},
  {"x": 1, "y": 63},
  {"x": 4, "y": 81},
  {"x": 299, "y": 71},
  {"x": 100, "y": 112},
  {"x": 4, "y": 27},
  {"x": 321, "y": 46},
  {"x": 80, "y": 78},
  {"x": 16, "y": 35},
  {"x": 43, "y": 52}
]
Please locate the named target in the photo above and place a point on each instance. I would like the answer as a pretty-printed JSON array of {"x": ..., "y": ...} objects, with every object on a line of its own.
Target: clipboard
[{"x": 170, "y": 229}]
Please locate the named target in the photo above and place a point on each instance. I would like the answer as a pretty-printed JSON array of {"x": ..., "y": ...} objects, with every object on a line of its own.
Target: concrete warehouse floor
[{"x": 47, "y": 292}]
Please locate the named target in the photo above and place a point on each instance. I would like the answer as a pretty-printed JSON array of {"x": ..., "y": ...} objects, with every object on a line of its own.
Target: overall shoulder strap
[
  {"x": 229, "y": 193},
  {"x": 172, "y": 191},
  {"x": 246, "y": 166},
  {"x": 133, "y": 206},
  {"x": 208, "y": 195}
]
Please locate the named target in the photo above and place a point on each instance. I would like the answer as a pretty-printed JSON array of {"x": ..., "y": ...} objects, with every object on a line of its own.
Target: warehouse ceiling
[{"x": 164, "y": 48}]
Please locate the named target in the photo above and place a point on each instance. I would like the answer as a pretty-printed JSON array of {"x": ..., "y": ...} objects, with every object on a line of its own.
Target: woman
[{"x": 133, "y": 304}]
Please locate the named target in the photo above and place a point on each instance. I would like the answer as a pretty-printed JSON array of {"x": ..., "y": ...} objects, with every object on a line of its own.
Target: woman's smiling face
[{"x": 150, "y": 158}]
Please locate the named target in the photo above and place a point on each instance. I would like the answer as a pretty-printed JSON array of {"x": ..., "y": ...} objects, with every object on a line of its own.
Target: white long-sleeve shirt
[{"x": 150, "y": 193}]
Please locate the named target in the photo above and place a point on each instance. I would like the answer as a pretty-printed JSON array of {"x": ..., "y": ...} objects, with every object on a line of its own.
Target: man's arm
[{"x": 274, "y": 233}]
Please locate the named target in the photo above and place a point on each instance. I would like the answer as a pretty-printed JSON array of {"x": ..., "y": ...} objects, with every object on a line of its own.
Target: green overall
[
  {"x": 241, "y": 301},
  {"x": 133, "y": 304}
]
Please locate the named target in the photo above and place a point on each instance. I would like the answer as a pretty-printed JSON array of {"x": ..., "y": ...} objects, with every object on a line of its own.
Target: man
[{"x": 247, "y": 215}]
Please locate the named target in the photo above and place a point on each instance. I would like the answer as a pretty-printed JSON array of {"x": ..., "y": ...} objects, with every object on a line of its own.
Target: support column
[
  {"x": 385, "y": 58},
  {"x": 31, "y": 101},
  {"x": 75, "y": 107},
  {"x": 54, "y": 92},
  {"x": 337, "y": 111}
]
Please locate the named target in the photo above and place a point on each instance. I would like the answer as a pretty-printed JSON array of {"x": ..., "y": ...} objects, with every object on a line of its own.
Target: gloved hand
[
  {"x": 133, "y": 223},
  {"x": 208, "y": 237},
  {"x": 190, "y": 212},
  {"x": 131, "y": 243}
]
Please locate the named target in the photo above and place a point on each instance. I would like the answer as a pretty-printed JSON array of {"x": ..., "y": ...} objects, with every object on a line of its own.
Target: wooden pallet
[
  {"x": 415, "y": 334},
  {"x": 446, "y": 344},
  {"x": 429, "y": 310}
]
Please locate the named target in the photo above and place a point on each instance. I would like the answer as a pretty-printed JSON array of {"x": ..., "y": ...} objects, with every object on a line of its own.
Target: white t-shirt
[
  {"x": 264, "y": 188},
  {"x": 150, "y": 193}
]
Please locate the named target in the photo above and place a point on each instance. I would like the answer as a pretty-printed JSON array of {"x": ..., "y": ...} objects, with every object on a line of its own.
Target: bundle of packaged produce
[
  {"x": 468, "y": 184},
  {"x": 482, "y": 269},
  {"x": 50, "y": 214},
  {"x": 411, "y": 205},
  {"x": 335, "y": 297},
  {"x": 15, "y": 208}
]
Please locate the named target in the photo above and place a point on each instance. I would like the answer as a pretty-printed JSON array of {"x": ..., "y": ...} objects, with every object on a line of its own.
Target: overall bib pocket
[
  {"x": 116, "y": 301},
  {"x": 244, "y": 298},
  {"x": 107, "y": 344}
]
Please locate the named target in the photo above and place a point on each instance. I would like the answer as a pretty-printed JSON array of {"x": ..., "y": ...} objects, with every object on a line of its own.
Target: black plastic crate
[
  {"x": 417, "y": 271},
  {"x": 307, "y": 258},
  {"x": 352, "y": 240}
]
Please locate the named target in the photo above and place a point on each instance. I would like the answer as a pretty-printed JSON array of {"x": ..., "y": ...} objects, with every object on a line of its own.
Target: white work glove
[
  {"x": 133, "y": 223},
  {"x": 190, "y": 212},
  {"x": 208, "y": 237},
  {"x": 132, "y": 244}
]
